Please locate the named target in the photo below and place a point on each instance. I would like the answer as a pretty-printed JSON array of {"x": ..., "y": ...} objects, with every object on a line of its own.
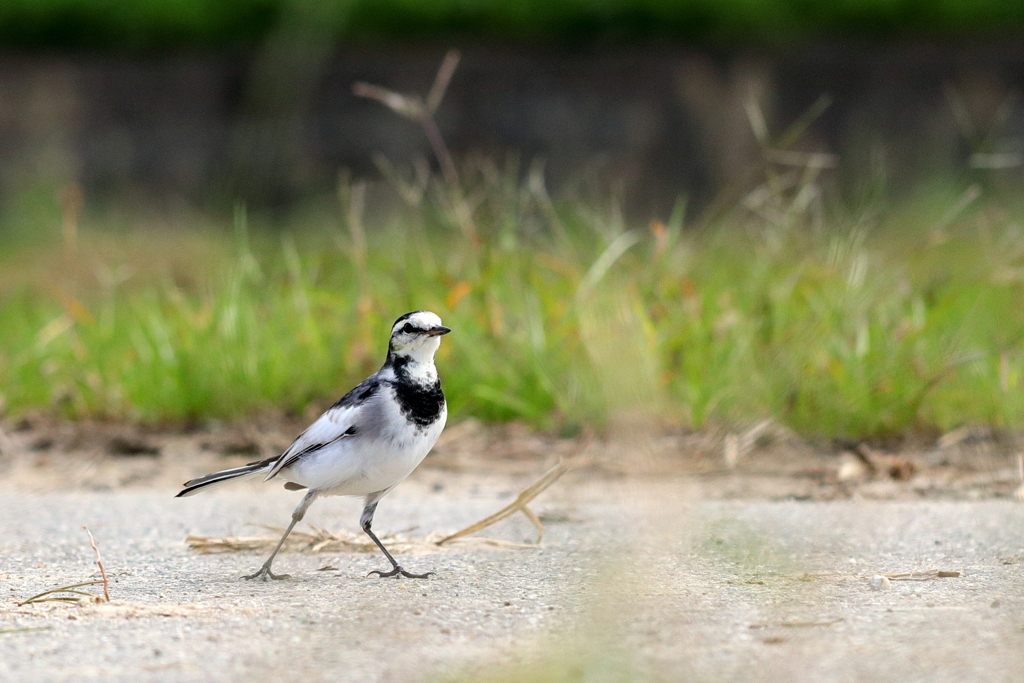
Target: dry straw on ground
[
  {"x": 324, "y": 541},
  {"x": 71, "y": 593},
  {"x": 925, "y": 575}
]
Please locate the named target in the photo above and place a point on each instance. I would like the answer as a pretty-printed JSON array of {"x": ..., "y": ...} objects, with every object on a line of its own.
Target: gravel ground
[{"x": 637, "y": 579}]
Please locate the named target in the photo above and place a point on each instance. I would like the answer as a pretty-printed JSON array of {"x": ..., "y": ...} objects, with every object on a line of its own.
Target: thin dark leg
[
  {"x": 365, "y": 521},
  {"x": 264, "y": 573}
]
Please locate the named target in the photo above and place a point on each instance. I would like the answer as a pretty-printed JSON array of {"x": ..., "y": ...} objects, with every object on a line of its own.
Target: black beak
[{"x": 438, "y": 331}]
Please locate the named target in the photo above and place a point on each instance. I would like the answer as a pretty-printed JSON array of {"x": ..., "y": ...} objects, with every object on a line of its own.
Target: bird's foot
[
  {"x": 264, "y": 574},
  {"x": 397, "y": 572}
]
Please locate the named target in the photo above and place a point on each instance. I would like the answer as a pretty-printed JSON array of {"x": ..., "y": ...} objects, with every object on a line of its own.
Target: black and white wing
[{"x": 340, "y": 421}]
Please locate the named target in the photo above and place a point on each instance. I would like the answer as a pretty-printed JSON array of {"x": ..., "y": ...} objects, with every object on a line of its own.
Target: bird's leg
[
  {"x": 365, "y": 521},
  {"x": 264, "y": 573}
]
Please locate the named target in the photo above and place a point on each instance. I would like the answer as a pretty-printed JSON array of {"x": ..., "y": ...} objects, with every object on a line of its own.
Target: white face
[{"x": 417, "y": 335}]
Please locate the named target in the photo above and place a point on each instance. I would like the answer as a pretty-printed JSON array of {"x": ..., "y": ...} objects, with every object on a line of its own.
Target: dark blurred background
[{"x": 202, "y": 104}]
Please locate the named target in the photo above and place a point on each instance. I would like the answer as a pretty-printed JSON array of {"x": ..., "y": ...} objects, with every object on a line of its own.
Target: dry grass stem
[
  {"x": 53, "y": 595},
  {"x": 737, "y": 446},
  {"x": 892, "y": 466},
  {"x": 414, "y": 107},
  {"x": 926, "y": 575},
  {"x": 99, "y": 562},
  {"x": 955, "y": 437},
  {"x": 64, "y": 589},
  {"x": 528, "y": 494},
  {"x": 806, "y": 624},
  {"x": 442, "y": 79},
  {"x": 324, "y": 541},
  {"x": 799, "y": 624}
]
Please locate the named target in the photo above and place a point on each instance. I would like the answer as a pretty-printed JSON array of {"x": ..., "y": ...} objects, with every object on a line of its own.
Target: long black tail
[{"x": 217, "y": 478}]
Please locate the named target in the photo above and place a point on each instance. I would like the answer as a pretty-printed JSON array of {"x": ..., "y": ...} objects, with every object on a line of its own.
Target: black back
[{"x": 362, "y": 391}]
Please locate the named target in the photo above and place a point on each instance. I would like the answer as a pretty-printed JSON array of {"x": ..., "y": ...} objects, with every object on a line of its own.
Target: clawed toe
[
  {"x": 416, "y": 576},
  {"x": 265, "y": 574},
  {"x": 397, "y": 572}
]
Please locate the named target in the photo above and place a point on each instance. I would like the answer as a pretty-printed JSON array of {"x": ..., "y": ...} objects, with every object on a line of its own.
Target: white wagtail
[{"x": 369, "y": 441}]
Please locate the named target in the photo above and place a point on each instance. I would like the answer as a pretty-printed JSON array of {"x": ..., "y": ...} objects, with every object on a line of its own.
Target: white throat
[
  {"x": 422, "y": 372},
  {"x": 420, "y": 365}
]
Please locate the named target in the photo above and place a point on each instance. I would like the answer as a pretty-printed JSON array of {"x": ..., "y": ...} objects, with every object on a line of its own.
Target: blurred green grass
[{"x": 564, "y": 316}]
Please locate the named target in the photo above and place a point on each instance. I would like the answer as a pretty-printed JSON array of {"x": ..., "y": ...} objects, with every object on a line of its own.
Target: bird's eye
[{"x": 407, "y": 329}]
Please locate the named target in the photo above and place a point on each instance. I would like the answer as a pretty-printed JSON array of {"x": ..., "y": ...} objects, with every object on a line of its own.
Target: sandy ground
[{"x": 638, "y": 578}]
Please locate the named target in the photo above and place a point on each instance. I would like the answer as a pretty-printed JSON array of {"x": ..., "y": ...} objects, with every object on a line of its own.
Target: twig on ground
[
  {"x": 317, "y": 541},
  {"x": 892, "y": 466},
  {"x": 806, "y": 624},
  {"x": 99, "y": 562},
  {"x": 23, "y": 629},
  {"x": 42, "y": 597},
  {"x": 923, "y": 576},
  {"x": 322, "y": 540},
  {"x": 737, "y": 446},
  {"x": 64, "y": 589},
  {"x": 798, "y": 624},
  {"x": 528, "y": 494}
]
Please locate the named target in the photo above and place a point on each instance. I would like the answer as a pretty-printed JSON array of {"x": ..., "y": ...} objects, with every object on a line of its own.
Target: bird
[{"x": 365, "y": 444}]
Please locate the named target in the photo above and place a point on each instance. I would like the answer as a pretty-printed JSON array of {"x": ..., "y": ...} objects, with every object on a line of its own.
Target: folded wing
[{"x": 337, "y": 423}]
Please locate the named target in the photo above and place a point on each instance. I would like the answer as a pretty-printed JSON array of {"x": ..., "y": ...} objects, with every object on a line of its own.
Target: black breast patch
[{"x": 421, "y": 404}]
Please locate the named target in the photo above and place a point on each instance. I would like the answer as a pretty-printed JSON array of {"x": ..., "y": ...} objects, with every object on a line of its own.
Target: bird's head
[{"x": 416, "y": 336}]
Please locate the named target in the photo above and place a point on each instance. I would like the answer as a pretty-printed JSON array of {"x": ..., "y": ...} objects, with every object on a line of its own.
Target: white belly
[{"x": 371, "y": 464}]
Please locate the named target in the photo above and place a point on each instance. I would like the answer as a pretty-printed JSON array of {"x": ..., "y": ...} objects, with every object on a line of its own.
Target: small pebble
[{"x": 881, "y": 583}]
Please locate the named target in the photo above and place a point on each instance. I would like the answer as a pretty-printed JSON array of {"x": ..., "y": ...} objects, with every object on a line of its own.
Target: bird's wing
[{"x": 340, "y": 421}]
